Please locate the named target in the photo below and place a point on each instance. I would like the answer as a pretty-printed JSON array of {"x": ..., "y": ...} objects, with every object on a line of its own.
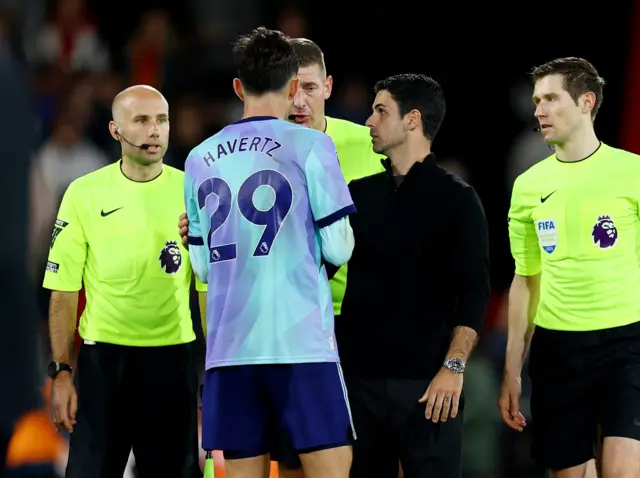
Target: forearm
[
  {"x": 462, "y": 343},
  {"x": 523, "y": 305},
  {"x": 202, "y": 304},
  {"x": 337, "y": 242},
  {"x": 63, "y": 310}
]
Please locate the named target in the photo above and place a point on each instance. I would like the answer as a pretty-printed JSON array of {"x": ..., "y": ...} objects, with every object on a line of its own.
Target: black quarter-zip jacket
[{"x": 420, "y": 267}]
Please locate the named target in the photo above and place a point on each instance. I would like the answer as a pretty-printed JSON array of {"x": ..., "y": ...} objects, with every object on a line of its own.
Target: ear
[
  {"x": 113, "y": 129},
  {"x": 293, "y": 88},
  {"x": 237, "y": 88},
  {"x": 414, "y": 120},
  {"x": 588, "y": 102},
  {"x": 328, "y": 87}
]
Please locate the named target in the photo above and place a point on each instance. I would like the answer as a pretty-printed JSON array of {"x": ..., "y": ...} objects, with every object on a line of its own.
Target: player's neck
[
  {"x": 405, "y": 155},
  {"x": 266, "y": 105},
  {"x": 581, "y": 145},
  {"x": 138, "y": 172}
]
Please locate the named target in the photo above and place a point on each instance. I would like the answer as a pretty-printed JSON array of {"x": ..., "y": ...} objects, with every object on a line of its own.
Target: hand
[
  {"x": 509, "y": 402},
  {"x": 64, "y": 402},
  {"x": 183, "y": 226},
  {"x": 443, "y": 395}
]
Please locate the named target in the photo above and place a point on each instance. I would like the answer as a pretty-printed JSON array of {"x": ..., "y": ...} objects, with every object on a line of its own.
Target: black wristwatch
[{"x": 56, "y": 367}]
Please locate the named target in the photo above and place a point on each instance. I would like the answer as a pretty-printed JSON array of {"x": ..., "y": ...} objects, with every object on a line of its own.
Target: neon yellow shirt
[
  {"x": 120, "y": 238},
  {"x": 357, "y": 160},
  {"x": 578, "y": 224}
]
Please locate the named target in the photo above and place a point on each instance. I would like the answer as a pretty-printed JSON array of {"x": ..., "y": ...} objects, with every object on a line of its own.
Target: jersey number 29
[{"x": 271, "y": 218}]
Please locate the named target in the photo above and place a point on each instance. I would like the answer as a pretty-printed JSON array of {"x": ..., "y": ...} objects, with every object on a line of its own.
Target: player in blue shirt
[{"x": 266, "y": 203}]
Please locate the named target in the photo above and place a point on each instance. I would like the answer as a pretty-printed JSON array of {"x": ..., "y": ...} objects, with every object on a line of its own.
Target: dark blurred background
[{"x": 75, "y": 55}]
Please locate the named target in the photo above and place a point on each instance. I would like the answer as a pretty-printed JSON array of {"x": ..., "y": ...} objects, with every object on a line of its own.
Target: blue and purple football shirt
[{"x": 257, "y": 194}]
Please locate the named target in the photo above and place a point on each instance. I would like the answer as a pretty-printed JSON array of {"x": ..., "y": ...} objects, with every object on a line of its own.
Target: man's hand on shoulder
[{"x": 183, "y": 226}]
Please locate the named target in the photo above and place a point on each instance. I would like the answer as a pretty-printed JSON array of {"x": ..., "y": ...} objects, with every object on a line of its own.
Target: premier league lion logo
[
  {"x": 170, "y": 258},
  {"x": 604, "y": 232}
]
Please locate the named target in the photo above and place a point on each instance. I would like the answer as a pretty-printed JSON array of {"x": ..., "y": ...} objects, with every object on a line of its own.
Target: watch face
[{"x": 455, "y": 365}]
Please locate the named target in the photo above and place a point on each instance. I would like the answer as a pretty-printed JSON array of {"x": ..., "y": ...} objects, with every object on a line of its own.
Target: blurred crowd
[{"x": 77, "y": 63}]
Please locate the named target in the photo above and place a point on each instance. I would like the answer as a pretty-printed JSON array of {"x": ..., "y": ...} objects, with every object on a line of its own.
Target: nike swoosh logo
[
  {"x": 543, "y": 199},
  {"x": 105, "y": 214}
]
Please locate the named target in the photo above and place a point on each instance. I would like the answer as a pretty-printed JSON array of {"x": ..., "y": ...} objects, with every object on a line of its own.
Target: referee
[
  {"x": 574, "y": 228},
  {"x": 416, "y": 294},
  {"x": 135, "y": 384}
]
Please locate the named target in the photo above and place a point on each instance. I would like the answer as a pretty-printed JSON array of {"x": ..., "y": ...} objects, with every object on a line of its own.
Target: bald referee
[{"x": 135, "y": 384}]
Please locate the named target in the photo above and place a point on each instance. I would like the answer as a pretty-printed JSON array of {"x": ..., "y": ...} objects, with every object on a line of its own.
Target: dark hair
[
  {"x": 578, "y": 75},
  {"x": 308, "y": 53},
  {"x": 417, "y": 92},
  {"x": 266, "y": 60}
]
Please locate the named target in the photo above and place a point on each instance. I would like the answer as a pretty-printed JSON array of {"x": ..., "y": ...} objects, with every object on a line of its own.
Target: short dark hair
[
  {"x": 266, "y": 60},
  {"x": 578, "y": 75},
  {"x": 308, "y": 53},
  {"x": 417, "y": 92}
]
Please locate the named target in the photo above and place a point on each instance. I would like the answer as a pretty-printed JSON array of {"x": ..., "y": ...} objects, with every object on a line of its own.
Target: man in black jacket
[{"x": 417, "y": 290}]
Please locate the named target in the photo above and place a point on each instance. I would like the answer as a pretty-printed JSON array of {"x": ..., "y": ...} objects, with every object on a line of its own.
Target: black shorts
[
  {"x": 582, "y": 380},
  {"x": 390, "y": 426},
  {"x": 143, "y": 398}
]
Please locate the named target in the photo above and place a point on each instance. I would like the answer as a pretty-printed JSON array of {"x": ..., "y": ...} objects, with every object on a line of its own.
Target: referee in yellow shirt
[
  {"x": 574, "y": 229},
  {"x": 135, "y": 380}
]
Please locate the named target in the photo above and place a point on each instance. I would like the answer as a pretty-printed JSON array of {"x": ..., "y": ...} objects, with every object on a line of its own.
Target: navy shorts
[{"x": 246, "y": 408}]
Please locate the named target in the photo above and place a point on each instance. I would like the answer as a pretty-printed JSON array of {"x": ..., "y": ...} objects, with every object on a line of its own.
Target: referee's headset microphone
[
  {"x": 141, "y": 146},
  {"x": 535, "y": 130}
]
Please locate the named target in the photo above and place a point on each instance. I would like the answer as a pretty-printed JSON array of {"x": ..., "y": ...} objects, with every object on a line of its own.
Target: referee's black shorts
[
  {"x": 582, "y": 380},
  {"x": 143, "y": 398},
  {"x": 390, "y": 426}
]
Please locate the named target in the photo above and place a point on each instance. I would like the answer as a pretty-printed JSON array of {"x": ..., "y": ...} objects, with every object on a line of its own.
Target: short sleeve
[
  {"x": 198, "y": 250},
  {"x": 328, "y": 191},
  {"x": 68, "y": 249},
  {"x": 522, "y": 234}
]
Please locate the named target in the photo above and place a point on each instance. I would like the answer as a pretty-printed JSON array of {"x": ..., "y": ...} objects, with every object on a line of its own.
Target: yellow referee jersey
[
  {"x": 578, "y": 224},
  {"x": 357, "y": 160},
  {"x": 120, "y": 237}
]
